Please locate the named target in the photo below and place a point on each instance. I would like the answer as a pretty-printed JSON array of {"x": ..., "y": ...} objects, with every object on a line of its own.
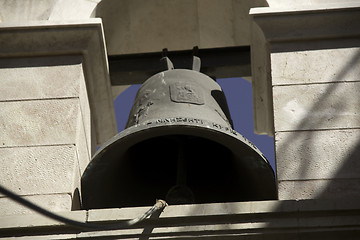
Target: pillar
[
  {"x": 55, "y": 109},
  {"x": 306, "y": 72}
]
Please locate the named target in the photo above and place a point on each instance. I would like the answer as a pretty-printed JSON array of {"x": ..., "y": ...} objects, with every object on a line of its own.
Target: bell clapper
[{"x": 180, "y": 193}]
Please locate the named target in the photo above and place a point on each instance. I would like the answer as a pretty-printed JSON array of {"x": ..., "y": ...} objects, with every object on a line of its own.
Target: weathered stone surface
[
  {"x": 322, "y": 189},
  {"x": 14, "y": 11},
  {"x": 150, "y": 26},
  {"x": 67, "y": 9},
  {"x": 242, "y": 20},
  {"x": 329, "y": 154},
  {"x": 304, "y": 23},
  {"x": 261, "y": 85},
  {"x": 270, "y": 219},
  {"x": 303, "y": 30},
  {"x": 44, "y": 107},
  {"x": 165, "y": 24},
  {"x": 30, "y": 10},
  {"x": 59, "y": 39},
  {"x": 316, "y": 106},
  {"x": 52, "y": 202},
  {"x": 316, "y": 66},
  {"x": 36, "y": 219},
  {"x": 193, "y": 210},
  {"x": 40, "y": 77},
  {"x": 216, "y": 23},
  {"x": 44, "y": 122},
  {"x": 47, "y": 237},
  {"x": 38, "y": 170}
]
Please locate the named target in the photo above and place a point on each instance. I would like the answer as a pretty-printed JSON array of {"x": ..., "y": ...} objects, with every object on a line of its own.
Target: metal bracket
[{"x": 165, "y": 62}]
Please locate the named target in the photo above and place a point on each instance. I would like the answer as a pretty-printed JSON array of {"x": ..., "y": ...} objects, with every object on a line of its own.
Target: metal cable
[{"x": 159, "y": 205}]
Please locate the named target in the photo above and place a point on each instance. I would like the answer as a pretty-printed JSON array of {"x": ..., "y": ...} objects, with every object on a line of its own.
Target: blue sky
[{"x": 239, "y": 97}]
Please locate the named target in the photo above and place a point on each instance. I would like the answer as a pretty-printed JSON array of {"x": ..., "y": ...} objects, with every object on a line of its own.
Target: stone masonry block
[
  {"x": 40, "y": 77},
  {"x": 315, "y": 66},
  {"x": 52, "y": 202},
  {"x": 39, "y": 170},
  {"x": 316, "y": 106},
  {"x": 177, "y": 29},
  {"x": 216, "y": 23},
  {"x": 329, "y": 154},
  {"x": 320, "y": 189},
  {"x": 83, "y": 39},
  {"x": 45, "y": 122}
]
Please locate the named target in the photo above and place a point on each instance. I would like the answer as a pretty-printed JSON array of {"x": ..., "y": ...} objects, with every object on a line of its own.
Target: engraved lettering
[{"x": 196, "y": 121}]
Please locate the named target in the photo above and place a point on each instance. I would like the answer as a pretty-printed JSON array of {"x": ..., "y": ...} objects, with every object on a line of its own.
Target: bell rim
[{"x": 171, "y": 125}]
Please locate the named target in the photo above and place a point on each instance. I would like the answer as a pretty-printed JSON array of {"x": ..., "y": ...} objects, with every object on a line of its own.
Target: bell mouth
[
  {"x": 180, "y": 194},
  {"x": 141, "y": 164}
]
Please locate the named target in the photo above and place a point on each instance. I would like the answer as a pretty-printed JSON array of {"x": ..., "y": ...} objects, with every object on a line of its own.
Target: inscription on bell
[{"x": 185, "y": 92}]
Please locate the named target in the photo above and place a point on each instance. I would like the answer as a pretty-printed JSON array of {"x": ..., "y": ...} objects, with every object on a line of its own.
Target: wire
[{"x": 159, "y": 205}]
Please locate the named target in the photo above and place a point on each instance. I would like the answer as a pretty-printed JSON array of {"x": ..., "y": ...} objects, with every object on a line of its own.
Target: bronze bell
[{"x": 178, "y": 145}]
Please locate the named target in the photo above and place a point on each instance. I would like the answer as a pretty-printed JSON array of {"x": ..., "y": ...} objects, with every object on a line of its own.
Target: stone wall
[
  {"x": 149, "y": 26},
  {"x": 55, "y": 108},
  {"x": 314, "y": 84}
]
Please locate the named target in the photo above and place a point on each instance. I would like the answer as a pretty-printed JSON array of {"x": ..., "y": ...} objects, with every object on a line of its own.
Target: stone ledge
[
  {"x": 54, "y": 202},
  {"x": 36, "y": 220},
  {"x": 303, "y": 8},
  {"x": 270, "y": 219},
  {"x": 59, "y": 38},
  {"x": 303, "y": 23}
]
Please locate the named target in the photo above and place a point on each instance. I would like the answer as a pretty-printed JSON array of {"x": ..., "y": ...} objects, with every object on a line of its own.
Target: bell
[{"x": 178, "y": 145}]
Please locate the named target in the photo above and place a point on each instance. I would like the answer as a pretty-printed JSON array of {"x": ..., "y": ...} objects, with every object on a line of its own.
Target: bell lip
[
  {"x": 175, "y": 126},
  {"x": 262, "y": 174}
]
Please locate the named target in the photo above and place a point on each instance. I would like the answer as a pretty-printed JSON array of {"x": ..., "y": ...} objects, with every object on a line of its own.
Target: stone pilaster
[
  {"x": 55, "y": 108},
  {"x": 306, "y": 74}
]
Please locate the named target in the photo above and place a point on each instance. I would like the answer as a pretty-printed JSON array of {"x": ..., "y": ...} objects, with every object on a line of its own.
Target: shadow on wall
[
  {"x": 149, "y": 26},
  {"x": 325, "y": 149}
]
